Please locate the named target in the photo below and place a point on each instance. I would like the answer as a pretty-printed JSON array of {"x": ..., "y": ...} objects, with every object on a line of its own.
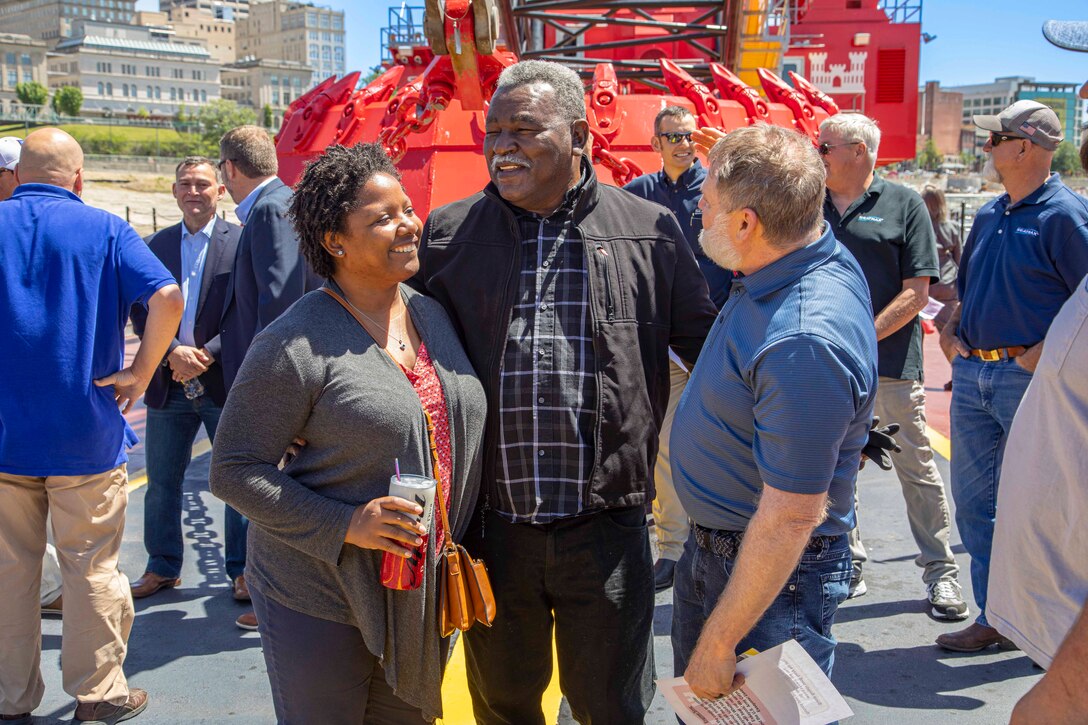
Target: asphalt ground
[{"x": 199, "y": 668}]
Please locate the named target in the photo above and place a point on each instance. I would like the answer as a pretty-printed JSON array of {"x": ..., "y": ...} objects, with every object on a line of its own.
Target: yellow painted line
[
  {"x": 939, "y": 443},
  {"x": 457, "y": 703},
  {"x": 199, "y": 448}
]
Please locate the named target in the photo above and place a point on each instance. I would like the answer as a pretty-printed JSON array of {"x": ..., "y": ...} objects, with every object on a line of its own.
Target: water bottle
[{"x": 193, "y": 388}]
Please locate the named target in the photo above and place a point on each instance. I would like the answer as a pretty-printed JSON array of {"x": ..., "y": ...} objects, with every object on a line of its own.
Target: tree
[
  {"x": 929, "y": 158},
  {"x": 1066, "y": 159},
  {"x": 31, "y": 93},
  {"x": 68, "y": 100},
  {"x": 266, "y": 116},
  {"x": 143, "y": 113},
  {"x": 218, "y": 117}
]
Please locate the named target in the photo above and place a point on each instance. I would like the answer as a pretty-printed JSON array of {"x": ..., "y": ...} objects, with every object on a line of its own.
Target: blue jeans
[
  {"x": 804, "y": 610},
  {"x": 985, "y": 396},
  {"x": 171, "y": 431}
]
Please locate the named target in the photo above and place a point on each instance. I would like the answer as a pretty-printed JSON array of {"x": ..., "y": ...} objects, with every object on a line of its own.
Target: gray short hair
[
  {"x": 190, "y": 161},
  {"x": 570, "y": 94},
  {"x": 251, "y": 150},
  {"x": 776, "y": 173},
  {"x": 855, "y": 127}
]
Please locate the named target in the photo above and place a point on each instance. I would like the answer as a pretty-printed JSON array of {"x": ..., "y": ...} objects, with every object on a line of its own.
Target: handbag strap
[{"x": 447, "y": 538}]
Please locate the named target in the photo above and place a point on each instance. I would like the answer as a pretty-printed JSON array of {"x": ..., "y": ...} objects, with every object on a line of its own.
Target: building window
[
  {"x": 101, "y": 89},
  {"x": 9, "y": 58},
  {"x": 109, "y": 88},
  {"x": 337, "y": 22},
  {"x": 124, "y": 90},
  {"x": 25, "y": 59},
  {"x": 311, "y": 20},
  {"x": 203, "y": 96},
  {"x": 13, "y": 78},
  {"x": 28, "y": 76},
  {"x": 149, "y": 93},
  {"x": 275, "y": 98},
  {"x": 324, "y": 20},
  {"x": 173, "y": 94},
  {"x": 158, "y": 93}
]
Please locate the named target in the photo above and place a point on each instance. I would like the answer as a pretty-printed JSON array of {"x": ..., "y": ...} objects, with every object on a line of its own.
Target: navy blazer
[
  {"x": 166, "y": 245},
  {"x": 269, "y": 275}
]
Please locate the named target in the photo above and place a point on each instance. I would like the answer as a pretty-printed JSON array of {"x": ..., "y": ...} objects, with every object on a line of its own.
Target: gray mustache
[{"x": 502, "y": 160}]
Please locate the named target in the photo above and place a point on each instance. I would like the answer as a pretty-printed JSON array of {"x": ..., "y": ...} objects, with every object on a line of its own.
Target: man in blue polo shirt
[
  {"x": 68, "y": 276},
  {"x": 769, "y": 433},
  {"x": 1025, "y": 255},
  {"x": 678, "y": 188}
]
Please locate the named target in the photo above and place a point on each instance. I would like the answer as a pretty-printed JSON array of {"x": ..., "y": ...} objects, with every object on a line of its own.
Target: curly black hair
[{"x": 328, "y": 192}]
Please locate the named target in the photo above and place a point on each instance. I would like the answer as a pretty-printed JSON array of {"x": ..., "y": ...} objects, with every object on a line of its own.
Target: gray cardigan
[{"x": 317, "y": 374}]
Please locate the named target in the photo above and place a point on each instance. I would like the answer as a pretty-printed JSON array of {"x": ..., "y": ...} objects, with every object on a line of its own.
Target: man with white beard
[
  {"x": 769, "y": 432},
  {"x": 1025, "y": 255}
]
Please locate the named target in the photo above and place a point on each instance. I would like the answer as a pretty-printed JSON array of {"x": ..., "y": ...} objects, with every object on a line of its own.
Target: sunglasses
[
  {"x": 220, "y": 164},
  {"x": 996, "y": 139},
  {"x": 825, "y": 148},
  {"x": 675, "y": 137}
]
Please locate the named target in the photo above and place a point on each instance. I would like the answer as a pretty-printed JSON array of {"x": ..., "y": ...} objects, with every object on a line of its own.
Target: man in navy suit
[
  {"x": 187, "y": 389},
  {"x": 269, "y": 273}
]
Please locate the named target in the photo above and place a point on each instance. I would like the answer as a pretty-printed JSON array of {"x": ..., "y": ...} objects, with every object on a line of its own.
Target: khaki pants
[
  {"x": 904, "y": 402},
  {"x": 88, "y": 517},
  {"x": 670, "y": 519}
]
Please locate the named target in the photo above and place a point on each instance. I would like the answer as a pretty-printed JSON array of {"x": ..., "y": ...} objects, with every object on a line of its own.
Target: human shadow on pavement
[
  {"x": 919, "y": 677},
  {"x": 854, "y": 611}
]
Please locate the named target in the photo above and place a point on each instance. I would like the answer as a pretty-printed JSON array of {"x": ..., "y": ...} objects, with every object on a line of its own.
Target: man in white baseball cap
[{"x": 10, "y": 147}]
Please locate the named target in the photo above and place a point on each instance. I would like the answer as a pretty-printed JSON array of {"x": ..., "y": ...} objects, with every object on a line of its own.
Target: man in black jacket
[
  {"x": 568, "y": 294},
  {"x": 187, "y": 389}
]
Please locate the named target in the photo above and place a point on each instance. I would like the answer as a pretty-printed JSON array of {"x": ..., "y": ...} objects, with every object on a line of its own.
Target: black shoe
[{"x": 664, "y": 570}]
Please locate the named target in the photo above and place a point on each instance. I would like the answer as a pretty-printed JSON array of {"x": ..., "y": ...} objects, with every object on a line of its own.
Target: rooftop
[{"x": 155, "y": 47}]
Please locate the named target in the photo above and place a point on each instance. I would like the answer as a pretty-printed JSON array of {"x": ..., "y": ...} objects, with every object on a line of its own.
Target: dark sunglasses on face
[
  {"x": 997, "y": 138},
  {"x": 675, "y": 137},
  {"x": 825, "y": 148}
]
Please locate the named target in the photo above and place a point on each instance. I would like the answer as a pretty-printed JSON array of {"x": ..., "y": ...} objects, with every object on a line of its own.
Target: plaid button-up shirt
[{"x": 547, "y": 386}]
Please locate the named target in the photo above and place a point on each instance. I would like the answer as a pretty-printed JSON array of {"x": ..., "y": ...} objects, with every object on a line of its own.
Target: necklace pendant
[{"x": 403, "y": 346}]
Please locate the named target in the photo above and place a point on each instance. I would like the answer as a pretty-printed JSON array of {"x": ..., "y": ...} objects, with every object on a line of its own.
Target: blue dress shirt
[
  {"x": 242, "y": 212},
  {"x": 194, "y": 252}
]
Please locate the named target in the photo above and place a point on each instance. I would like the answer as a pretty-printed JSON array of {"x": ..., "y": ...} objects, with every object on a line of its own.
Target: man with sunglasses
[
  {"x": 678, "y": 188},
  {"x": 1025, "y": 255},
  {"x": 887, "y": 228}
]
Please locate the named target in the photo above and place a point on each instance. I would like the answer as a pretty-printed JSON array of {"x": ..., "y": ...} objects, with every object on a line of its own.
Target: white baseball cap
[{"x": 10, "y": 148}]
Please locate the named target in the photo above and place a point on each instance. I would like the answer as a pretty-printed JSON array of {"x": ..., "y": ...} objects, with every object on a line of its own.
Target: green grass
[{"x": 102, "y": 138}]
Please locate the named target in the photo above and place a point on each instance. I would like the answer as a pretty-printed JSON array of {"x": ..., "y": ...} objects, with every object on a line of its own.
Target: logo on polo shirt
[
  {"x": 865, "y": 218},
  {"x": 1029, "y": 232}
]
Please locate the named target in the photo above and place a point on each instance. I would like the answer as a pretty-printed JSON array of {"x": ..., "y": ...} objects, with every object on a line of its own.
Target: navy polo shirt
[
  {"x": 682, "y": 199},
  {"x": 783, "y": 392},
  {"x": 1020, "y": 264},
  {"x": 889, "y": 232},
  {"x": 69, "y": 274}
]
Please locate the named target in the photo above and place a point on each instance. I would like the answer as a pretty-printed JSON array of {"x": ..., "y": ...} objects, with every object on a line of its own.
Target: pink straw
[{"x": 396, "y": 465}]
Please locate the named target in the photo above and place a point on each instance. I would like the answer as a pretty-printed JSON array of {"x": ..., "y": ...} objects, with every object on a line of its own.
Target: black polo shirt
[{"x": 889, "y": 232}]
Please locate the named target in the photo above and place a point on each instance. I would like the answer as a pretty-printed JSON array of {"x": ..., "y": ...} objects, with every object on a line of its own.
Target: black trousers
[
  {"x": 591, "y": 577},
  {"x": 322, "y": 672}
]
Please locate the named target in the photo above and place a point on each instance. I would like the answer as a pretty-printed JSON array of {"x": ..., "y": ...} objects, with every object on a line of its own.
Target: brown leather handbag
[{"x": 464, "y": 588}]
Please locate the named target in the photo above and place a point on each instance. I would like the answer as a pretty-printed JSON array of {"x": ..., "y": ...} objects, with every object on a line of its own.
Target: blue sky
[{"x": 976, "y": 41}]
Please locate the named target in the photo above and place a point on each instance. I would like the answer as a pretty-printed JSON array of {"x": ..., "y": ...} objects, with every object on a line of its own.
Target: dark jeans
[
  {"x": 985, "y": 396},
  {"x": 804, "y": 610},
  {"x": 169, "y": 441},
  {"x": 322, "y": 671},
  {"x": 591, "y": 577}
]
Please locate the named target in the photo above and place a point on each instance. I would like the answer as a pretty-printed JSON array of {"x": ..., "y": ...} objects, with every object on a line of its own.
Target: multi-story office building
[
  {"x": 123, "y": 68},
  {"x": 52, "y": 20},
  {"x": 940, "y": 114},
  {"x": 220, "y": 9},
  {"x": 189, "y": 24},
  {"x": 22, "y": 60},
  {"x": 281, "y": 30},
  {"x": 258, "y": 83},
  {"x": 990, "y": 98}
]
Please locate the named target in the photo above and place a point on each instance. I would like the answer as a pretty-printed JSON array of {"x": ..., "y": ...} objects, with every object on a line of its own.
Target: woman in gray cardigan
[{"x": 339, "y": 646}]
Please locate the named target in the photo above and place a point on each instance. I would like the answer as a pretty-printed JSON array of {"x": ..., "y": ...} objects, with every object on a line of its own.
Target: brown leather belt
[{"x": 1001, "y": 353}]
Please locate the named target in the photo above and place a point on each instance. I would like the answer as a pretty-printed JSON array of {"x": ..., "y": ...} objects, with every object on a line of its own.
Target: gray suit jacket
[{"x": 269, "y": 275}]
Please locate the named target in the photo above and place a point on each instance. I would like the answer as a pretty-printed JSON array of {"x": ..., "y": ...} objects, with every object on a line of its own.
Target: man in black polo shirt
[
  {"x": 1025, "y": 255},
  {"x": 677, "y": 187},
  {"x": 886, "y": 226}
]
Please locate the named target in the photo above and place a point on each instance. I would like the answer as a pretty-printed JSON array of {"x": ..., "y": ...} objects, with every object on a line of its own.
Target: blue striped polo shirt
[{"x": 783, "y": 392}]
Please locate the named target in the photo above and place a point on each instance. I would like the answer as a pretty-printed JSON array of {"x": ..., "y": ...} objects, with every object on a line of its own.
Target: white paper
[
  {"x": 931, "y": 310},
  {"x": 783, "y": 686}
]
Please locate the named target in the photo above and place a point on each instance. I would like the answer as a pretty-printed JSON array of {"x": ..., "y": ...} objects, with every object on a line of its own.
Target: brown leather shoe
[
  {"x": 975, "y": 638},
  {"x": 241, "y": 590},
  {"x": 247, "y": 621},
  {"x": 103, "y": 713},
  {"x": 150, "y": 583}
]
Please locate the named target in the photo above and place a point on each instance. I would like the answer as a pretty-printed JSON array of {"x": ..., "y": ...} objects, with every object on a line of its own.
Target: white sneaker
[{"x": 946, "y": 599}]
